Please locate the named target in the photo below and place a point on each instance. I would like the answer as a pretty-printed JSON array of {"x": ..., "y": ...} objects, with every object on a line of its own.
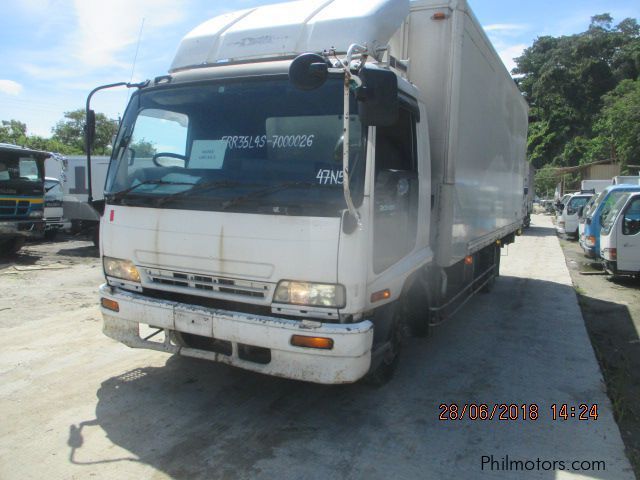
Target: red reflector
[
  {"x": 111, "y": 215},
  {"x": 110, "y": 304},
  {"x": 321, "y": 343}
]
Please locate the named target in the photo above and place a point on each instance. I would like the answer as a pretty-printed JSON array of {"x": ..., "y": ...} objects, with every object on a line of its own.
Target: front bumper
[
  {"x": 346, "y": 362},
  {"x": 22, "y": 228},
  {"x": 57, "y": 224},
  {"x": 588, "y": 251}
]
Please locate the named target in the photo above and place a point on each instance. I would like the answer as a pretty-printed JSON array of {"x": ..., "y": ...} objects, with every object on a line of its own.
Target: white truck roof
[{"x": 288, "y": 29}]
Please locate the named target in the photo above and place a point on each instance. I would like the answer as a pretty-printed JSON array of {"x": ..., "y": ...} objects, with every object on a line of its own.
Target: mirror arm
[
  {"x": 88, "y": 136},
  {"x": 354, "y": 48}
]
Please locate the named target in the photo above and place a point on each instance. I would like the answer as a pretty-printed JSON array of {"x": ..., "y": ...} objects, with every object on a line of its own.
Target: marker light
[
  {"x": 110, "y": 304},
  {"x": 381, "y": 295},
  {"x": 321, "y": 343},
  {"x": 468, "y": 260}
]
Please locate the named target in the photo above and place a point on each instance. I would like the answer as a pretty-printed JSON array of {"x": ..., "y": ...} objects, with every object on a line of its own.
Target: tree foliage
[
  {"x": 70, "y": 131},
  {"x": 68, "y": 134},
  {"x": 580, "y": 88}
]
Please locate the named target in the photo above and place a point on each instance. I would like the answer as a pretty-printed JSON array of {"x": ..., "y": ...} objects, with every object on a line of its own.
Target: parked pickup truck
[{"x": 294, "y": 195}]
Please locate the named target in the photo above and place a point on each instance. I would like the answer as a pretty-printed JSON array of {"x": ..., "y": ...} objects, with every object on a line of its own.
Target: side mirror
[
  {"x": 378, "y": 97},
  {"x": 308, "y": 71},
  {"x": 90, "y": 127}
]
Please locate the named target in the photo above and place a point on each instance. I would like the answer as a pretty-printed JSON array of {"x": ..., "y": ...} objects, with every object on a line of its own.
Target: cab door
[{"x": 629, "y": 239}]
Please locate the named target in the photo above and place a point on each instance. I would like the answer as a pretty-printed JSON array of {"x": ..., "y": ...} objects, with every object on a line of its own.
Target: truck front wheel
[
  {"x": 386, "y": 353},
  {"x": 11, "y": 246}
]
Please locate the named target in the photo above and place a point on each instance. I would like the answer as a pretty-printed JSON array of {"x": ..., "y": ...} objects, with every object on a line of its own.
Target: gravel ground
[{"x": 79, "y": 405}]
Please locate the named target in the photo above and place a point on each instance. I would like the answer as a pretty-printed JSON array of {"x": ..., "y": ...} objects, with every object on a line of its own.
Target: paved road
[{"x": 77, "y": 405}]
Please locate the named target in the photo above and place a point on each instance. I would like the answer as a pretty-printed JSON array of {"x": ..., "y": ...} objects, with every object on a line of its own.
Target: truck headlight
[
  {"x": 311, "y": 294},
  {"x": 124, "y": 269},
  {"x": 36, "y": 214}
]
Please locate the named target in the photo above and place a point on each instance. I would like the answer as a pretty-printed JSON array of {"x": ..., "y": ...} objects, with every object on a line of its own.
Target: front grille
[
  {"x": 7, "y": 208},
  {"x": 264, "y": 310},
  {"x": 240, "y": 288},
  {"x": 23, "y": 208}
]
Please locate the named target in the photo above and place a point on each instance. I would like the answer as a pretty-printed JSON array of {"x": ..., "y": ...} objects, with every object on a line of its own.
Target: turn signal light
[
  {"x": 321, "y": 343},
  {"x": 468, "y": 260},
  {"x": 381, "y": 295},
  {"x": 110, "y": 304}
]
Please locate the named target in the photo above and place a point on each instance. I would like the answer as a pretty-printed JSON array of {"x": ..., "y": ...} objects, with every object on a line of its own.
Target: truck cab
[
  {"x": 21, "y": 196},
  {"x": 620, "y": 236},
  {"x": 294, "y": 208},
  {"x": 567, "y": 222},
  {"x": 53, "y": 208},
  {"x": 590, "y": 224}
]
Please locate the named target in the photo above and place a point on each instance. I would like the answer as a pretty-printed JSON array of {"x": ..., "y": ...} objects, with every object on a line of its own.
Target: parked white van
[
  {"x": 620, "y": 236},
  {"x": 568, "y": 218}
]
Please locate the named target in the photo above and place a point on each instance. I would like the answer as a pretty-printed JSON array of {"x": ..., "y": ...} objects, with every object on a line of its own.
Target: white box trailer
[
  {"x": 302, "y": 186},
  {"x": 597, "y": 185},
  {"x": 477, "y": 126}
]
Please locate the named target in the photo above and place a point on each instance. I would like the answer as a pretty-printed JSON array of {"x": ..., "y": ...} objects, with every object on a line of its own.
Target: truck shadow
[{"x": 195, "y": 419}]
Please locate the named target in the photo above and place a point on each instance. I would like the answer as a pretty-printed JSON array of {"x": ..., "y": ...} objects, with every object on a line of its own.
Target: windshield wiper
[
  {"x": 267, "y": 190},
  {"x": 118, "y": 195},
  {"x": 199, "y": 187}
]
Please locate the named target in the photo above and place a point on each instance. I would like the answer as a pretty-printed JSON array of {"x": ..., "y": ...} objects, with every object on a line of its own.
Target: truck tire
[
  {"x": 50, "y": 235},
  {"x": 417, "y": 310},
  {"x": 491, "y": 255},
  {"x": 95, "y": 237},
  {"x": 383, "y": 371},
  {"x": 11, "y": 247}
]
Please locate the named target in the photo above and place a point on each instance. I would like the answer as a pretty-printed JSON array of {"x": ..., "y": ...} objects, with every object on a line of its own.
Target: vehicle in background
[
  {"x": 626, "y": 179},
  {"x": 595, "y": 185},
  {"x": 21, "y": 196},
  {"x": 77, "y": 210},
  {"x": 567, "y": 222},
  {"x": 529, "y": 193},
  {"x": 295, "y": 213},
  {"x": 53, "y": 211},
  {"x": 620, "y": 236},
  {"x": 590, "y": 223}
]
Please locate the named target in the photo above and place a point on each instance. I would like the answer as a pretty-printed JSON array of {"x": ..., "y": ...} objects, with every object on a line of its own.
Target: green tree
[
  {"x": 70, "y": 131},
  {"x": 13, "y": 131},
  {"x": 618, "y": 125},
  {"x": 566, "y": 80}
]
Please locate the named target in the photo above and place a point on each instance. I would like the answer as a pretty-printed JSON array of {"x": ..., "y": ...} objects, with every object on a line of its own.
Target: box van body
[
  {"x": 620, "y": 236},
  {"x": 590, "y": 224}
]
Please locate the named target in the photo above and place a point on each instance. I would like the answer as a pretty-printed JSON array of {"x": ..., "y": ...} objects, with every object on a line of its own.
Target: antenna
[{"x": 135, "y": 57}]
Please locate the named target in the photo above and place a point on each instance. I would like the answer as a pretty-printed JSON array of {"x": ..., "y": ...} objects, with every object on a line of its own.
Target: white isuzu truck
[{"x": 311, "y": 181}]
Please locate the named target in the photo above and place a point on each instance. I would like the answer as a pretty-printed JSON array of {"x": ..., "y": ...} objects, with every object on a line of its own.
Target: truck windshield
[
  {"x": 609, "y": 202},
  {"x": 250, "y": 146},
  {"x": 607, "y": 222},
  {"x": 20, "y": 173}
]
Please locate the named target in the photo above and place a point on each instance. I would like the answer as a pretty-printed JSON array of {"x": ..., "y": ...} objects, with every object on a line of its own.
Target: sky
[{"x": 54, "y": 52}]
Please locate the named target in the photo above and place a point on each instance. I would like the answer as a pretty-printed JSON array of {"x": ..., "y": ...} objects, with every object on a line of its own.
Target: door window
[
  {"x": 395, "y": 191},
  {"x": 631, "y": 218}
]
